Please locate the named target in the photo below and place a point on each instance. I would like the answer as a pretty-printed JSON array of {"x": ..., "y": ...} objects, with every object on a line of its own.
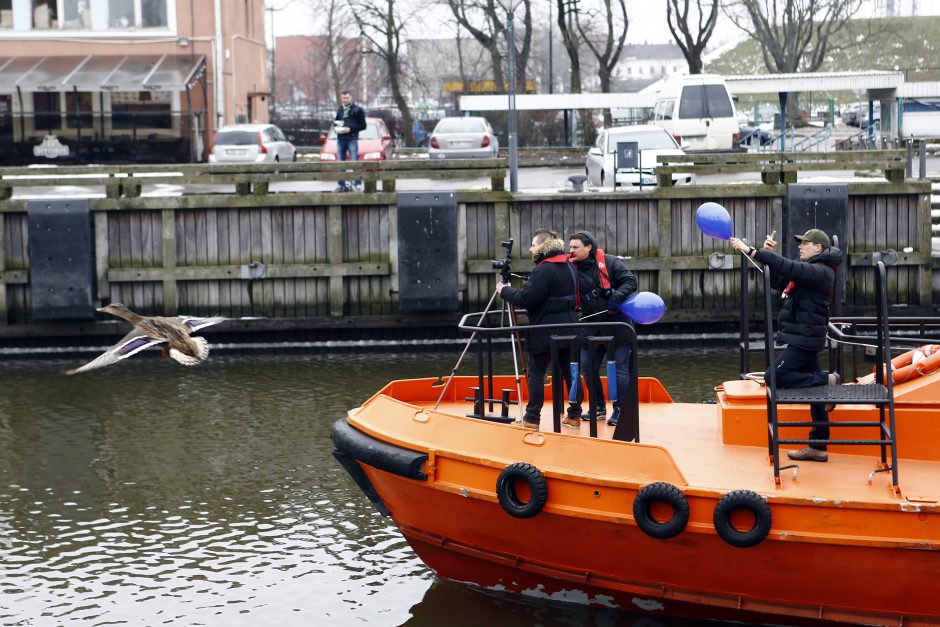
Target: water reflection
[{"x": 150, "y": 493}]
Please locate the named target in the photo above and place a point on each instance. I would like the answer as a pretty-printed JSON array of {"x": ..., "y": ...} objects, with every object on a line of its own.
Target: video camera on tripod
[{"x": 504, "y": 265}]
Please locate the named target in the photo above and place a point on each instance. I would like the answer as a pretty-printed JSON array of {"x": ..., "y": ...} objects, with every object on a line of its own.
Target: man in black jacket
[
  {"x": 350, "y": 120},
  {"x": 604, "y": 282},
  {"x": 549, "y": 297},
  {"x": 806, "y": 286}
]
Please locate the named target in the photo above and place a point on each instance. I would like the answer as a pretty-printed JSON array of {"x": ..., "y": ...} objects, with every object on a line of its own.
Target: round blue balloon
[
  {"x": 644, "y": 307},
  {"x": 714, "y": 220}
]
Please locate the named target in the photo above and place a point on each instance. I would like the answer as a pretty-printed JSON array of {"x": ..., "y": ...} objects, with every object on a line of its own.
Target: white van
[{"x": 698, "y": 111}]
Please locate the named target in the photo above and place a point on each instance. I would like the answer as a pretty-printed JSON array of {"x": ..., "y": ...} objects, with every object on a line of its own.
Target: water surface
[{"x": 147, "y": 493}]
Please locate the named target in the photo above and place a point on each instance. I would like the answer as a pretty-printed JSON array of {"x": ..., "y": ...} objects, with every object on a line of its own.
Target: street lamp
[{"x": 513, "y": 139}]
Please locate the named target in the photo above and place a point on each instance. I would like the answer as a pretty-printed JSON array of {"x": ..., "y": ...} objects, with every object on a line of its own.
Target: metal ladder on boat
[{"x": 880, "y": 393}]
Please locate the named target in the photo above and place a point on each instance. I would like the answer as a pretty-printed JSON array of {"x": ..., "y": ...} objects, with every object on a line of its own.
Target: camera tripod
[{"x": 508, "y": 312}]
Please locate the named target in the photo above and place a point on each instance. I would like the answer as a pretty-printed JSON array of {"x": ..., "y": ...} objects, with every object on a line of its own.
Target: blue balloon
[
  {"x": 714, "y": 220},
  {"x": 644, "y": 307}
]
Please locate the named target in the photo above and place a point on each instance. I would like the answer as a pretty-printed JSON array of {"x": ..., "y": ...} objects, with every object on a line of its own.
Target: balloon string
[{"x": 753, "y": 263}]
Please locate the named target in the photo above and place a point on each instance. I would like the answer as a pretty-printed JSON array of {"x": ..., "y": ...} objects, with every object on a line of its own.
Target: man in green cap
[{"x": 807, "y": 288}]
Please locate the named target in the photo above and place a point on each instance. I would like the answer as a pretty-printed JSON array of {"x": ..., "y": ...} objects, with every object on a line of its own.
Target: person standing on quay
[
  {"x": 350, "y": 120},
  {"x": 806, "y": 286}
]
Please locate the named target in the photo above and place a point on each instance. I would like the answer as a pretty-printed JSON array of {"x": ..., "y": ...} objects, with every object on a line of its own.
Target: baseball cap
[{"x": 815, "y": 236}]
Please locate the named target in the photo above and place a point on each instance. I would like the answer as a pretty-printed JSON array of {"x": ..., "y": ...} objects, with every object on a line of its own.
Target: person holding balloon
[
  {"x": 807, "y": 286},
  {"x": 604, "y": 283}
]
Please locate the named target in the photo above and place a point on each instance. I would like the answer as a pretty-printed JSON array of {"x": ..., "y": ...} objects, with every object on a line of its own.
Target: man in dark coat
[
  {"x": 806, "y": 286},
  {"x": 602, "y": 302},
  {"x": 549, "y": 297},
  {"x": 349, "y": 121}
]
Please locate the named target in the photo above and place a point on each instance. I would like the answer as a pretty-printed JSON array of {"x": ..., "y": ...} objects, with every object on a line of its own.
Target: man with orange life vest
[
  {"x": 550, "y": 297},
  {"x": 806, "y": 286},
  {"x": 604, "y": 282}
]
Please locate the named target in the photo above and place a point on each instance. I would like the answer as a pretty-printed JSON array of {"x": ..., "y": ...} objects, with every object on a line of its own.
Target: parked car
[
  {"x": 375, "y": 143},
  {"x": 251, "y": 143},
  {"x": 755, "y": 136},
  {"x": 651, "y": 140},
  {"x": 463, "y": 138}
]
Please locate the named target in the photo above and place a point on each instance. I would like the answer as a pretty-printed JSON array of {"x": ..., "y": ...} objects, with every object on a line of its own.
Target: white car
[
  {"x": 251, "y": 143},
  {"x": 651, "y": 141}
]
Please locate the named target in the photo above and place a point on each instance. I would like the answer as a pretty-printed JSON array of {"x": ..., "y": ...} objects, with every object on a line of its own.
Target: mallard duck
[{"x": 152, "y": 330}]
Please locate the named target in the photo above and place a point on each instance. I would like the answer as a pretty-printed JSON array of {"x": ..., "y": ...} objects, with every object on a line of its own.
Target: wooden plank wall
[{"x": 341, "y": 260}]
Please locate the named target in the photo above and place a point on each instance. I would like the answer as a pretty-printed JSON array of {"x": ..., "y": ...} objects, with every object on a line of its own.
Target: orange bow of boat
[{"x": 687, "y": 522}]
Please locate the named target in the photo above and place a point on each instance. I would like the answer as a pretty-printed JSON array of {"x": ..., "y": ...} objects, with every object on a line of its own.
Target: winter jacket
[
  {"x": 593, "y": 297},
  {"x": 355, "y": 121},
  {"x": 548, "y": 296},
  {"x": 805, "y": 311}
]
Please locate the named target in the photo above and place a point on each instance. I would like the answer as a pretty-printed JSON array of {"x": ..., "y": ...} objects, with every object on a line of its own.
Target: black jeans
[
  {"x": 535, "y": 378},
  {"x": 799, "y": 368}
]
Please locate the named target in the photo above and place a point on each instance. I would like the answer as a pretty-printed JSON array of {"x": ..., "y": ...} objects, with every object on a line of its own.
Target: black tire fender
[
  {"x": 506, "y": 491},
  {"x": 661, "y": 492},
  {"x": 742, "y": 499}
]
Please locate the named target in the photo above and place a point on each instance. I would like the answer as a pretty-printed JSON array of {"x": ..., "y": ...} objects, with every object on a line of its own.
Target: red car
[{"x": 375, "y": 143}]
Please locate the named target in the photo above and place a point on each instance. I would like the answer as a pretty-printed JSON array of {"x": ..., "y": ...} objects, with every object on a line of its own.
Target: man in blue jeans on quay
[
  {"x": 604, "y": 282},
  {"x": 350, "y": 120}
]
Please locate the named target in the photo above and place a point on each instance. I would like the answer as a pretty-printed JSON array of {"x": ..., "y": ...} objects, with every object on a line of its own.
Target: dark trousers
[
  {"x": 622, "y": 358},
  {"x": 535, "y": 378},
  {"x": 799, "y": 368}
]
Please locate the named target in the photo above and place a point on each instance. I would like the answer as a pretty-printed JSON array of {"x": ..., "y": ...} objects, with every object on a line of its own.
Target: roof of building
[{"x": 97, "y": 73}]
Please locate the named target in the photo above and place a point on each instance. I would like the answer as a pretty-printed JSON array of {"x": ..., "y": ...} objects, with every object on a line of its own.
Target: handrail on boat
[
  {"x": 573, "y": 335},
  {"x": 848, "y": 331}
]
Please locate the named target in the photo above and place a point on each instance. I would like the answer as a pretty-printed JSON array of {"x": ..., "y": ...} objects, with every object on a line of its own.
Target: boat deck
[{"x": 691, "y": 433}]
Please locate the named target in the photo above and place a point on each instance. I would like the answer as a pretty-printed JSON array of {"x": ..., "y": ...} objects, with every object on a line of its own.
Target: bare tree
[
  {"x": 605, "y": 44},
  {"x": 337, "y": 54},
  {"x": 692, "y": 43},
  {"x": 481, "y": 20},
  {"x": 485, "y": 21},
  {"x": 567, "y": 20},
  {"x": 794, "y": 35},
  {"x": 381, "y": 24}
]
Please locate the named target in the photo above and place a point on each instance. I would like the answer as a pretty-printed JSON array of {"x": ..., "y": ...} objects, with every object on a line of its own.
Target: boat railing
[
  {"x": 879, "y": 393},
  {"x": 857, "y": 336},
  {"x": 497, "y": 327}
]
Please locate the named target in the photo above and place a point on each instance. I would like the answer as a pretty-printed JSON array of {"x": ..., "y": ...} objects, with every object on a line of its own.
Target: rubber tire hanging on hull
[
  {"x": 506, "y": 491},
  {"x": 742, "y": 499},
  {"x": 661, "y": 492}
]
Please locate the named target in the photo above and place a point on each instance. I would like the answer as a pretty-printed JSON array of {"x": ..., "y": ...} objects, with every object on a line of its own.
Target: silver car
[
  {"x": 251, "y": 143},
  {"x": 463, "y": 138}
]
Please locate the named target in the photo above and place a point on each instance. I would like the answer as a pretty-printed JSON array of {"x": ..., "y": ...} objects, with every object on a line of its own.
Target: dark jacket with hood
[
  {"x": 548, "y": 295},
  {"x": 355, "y": 120},
  {"x": 805, "y": 311},
  {"x": 593, "y": 297}
]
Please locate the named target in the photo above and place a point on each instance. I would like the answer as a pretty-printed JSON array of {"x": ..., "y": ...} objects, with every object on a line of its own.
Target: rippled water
[{"x": 147, "y": 493}]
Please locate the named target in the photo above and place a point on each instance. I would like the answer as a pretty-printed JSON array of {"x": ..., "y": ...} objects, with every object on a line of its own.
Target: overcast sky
[{"x": 647, "y": 18}]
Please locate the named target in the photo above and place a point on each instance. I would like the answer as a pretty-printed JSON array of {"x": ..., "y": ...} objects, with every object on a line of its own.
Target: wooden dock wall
[{"x": 330, "y": 256}]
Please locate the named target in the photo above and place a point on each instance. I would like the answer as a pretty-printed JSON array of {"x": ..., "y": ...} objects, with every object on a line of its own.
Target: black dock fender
[{"x": 352, "y": 446}]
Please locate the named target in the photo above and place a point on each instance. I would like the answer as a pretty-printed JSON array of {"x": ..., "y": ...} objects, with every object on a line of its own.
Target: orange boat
[{"x": 697, "y": 519}]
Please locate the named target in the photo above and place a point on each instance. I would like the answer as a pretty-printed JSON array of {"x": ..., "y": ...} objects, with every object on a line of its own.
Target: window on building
[
  {"x": 6, "y": 13},
  {"x": 78, "y": 109},
  {"x": 65, "y": 14},
  {"x": 141, "y": 109},
  {"x": 46, "y": 110},
  {"x": 137, "y": 13}
]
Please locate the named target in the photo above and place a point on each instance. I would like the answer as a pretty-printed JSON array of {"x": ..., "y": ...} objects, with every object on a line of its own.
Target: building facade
[{"x": 98, "y": 80}]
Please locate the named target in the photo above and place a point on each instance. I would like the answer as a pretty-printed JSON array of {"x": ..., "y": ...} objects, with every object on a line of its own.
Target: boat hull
[{"x": 586, "y": 561}]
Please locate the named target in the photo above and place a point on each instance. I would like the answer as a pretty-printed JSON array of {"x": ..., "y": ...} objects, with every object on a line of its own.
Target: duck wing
[
  {"x": 201, "y": 348},
  {"x": 195, "y": 323},
  {"x": 130, "y": 344}
]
